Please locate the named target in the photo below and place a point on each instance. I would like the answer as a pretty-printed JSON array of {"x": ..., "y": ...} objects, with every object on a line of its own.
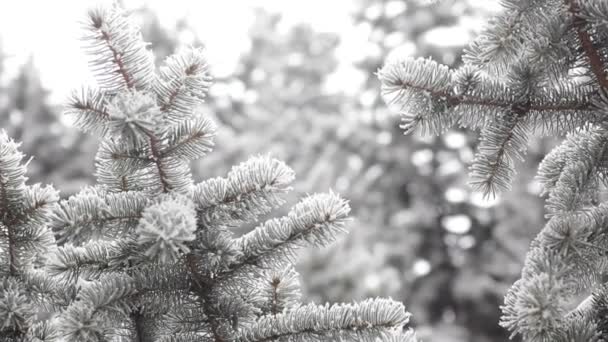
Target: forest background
[{"x": 299, "y": 83}]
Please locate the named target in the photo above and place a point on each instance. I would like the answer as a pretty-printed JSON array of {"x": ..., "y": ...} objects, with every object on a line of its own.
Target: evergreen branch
[
  {"x": 88, "y": 261},
  {"x": 166, "y": 228},
  {"x": 594, "y": 13},
  {"x": 433, "y": 97},
  {"x": 30, "y": 243},
  {"x": 137, "y": 174},
  {"x": 108, "y": 294},
  {"x": 190, "y": 140},
  {"x": 203, "y": 290},
  {"x": 11, "y": 251},
  {"x": 12, "y": 191},
  {"x": 493, "y": 170},
  {"x": 577, "y": 183},
  {"x": 183, "y": 83},
  {"x": 215, "y": 249},
  {"x": 508, "y": 37},
  {"x": 121, "y": 59},
  {"x": 424, "y": 86},
  {"x": 593, "y": 55},
  {"x": 93, "y": 212},
  {"x": 143, "y": 177},
  {"x": 158, "y": 161},
  {"x": 139, "y": 326},
  {"x": 121, "y": 158},
  {"x": 566, "y": 258},
  {"x": 372, "y": 316},
  {"x": 24, "y": 238},
  {"x": 46, "y": 292},
  {"x": 160, "y": 286},
  {"x": 38, "y": 203},
  {"x": 42, "y": 331},
  {"x": 15, "y": 308},
  {"x": 89, "y": 110},
  {"x": 595, "y": 308},
  {"x": 102, "y": 307},
  {"x": 281, "y": 291},
  {"x": 251, "y": 189},
  {"x": 549, "y": 46},
  {"x": 77, "y": 324},
  {"x": 12, "y": 175},
  {"x": 134, "y": 117},
  {"x": 182, "y": 337},
  {"x": 536, "y": 68},
  {"x": 500, "y": 40},
  {"x": 315, "y": 220},
  {"x": 177, "y": 175},
  {"x": 189, "y": 320},
  {"x": 129, "y": 116},
  {"x": 568, "y": 106}
]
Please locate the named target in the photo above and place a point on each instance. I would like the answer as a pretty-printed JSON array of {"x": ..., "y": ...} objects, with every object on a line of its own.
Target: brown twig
[{"x": 595, "y": 61}]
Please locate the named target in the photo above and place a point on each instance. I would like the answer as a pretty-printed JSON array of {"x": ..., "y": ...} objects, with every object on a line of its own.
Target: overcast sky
[{"x": 49, "y": 30}]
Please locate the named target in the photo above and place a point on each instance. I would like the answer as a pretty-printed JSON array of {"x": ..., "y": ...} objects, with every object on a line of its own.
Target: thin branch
[
  {"x": 595, "y": 60},
  {"x": 95, "y": 221},
  {"x": 202, "y": 286},
  {"x": 86, "y": 106},
  {"x": 116, "y": 55},
  {"x": 138, "y": 323},
  {"x": 453, "y": 100},
  {"x": 12, "y": 252},
  {"x": 274, "y": 309},
  {"x": 181, "y": 143},
  {"x": 166, "y": 106},
  {"x": 317, "y": 332},
  {"x": 157, "y": 159},
  {"x": 519, "y": 111},
  {"x": 22, "y": 215}
]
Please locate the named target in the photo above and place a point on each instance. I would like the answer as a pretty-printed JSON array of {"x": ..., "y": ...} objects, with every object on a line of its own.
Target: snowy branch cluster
[{"x": 539, "y": 67}]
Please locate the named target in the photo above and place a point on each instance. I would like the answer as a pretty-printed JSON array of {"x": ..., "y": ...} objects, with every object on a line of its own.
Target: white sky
[{"x": 49, "y": 30}]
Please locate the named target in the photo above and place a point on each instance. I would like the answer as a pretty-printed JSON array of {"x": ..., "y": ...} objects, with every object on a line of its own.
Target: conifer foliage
[
  {"x": 147, "y": 254},
  {"x": 27, "y": 296},
  {"x": 538, "y": 67}
]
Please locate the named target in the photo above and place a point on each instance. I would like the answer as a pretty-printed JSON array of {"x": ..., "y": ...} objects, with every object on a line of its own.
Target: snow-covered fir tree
[
  {"x": 28, "y": 297},
  {"x": 147, "y": 254},
  {"x": 539, "y": 67}
]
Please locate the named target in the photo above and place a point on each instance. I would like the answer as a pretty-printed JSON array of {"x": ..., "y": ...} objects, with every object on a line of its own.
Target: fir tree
[
  {"x": 27, "y": 295},
  {"x": 151, "y": 252},
  {"x": 538, "y": 67}
]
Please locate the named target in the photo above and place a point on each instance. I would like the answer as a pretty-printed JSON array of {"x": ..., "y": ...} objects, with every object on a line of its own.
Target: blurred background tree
[
  {"x": 28, "y": 117},
  {"x": 419, "y": 234}
]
